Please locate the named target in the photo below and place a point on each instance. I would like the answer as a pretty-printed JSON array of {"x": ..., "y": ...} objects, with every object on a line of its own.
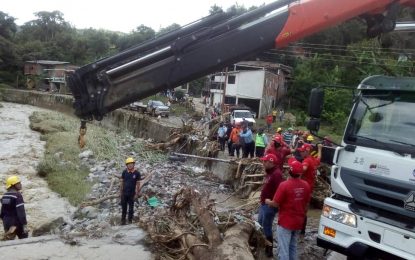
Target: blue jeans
[
  {"x": 266, "y": 217},
  {"x": 287, "y": 243}
]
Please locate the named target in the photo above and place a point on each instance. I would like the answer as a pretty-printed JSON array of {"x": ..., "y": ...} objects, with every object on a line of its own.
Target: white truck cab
[
  {"x": 240, "y": 115},
  {"x": 371, "y": 212}
]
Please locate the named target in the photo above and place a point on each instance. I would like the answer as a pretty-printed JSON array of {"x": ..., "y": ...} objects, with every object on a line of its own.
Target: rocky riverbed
[{"x": 95, "y": 224}]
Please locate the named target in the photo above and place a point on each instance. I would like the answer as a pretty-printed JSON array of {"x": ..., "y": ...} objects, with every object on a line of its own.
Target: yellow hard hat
[
  {"x": 310, "y": 138},
  {"x": 129, "y": 160},
  {"x": 279, "y": 129},
  {"x": 12, "y": 180}
]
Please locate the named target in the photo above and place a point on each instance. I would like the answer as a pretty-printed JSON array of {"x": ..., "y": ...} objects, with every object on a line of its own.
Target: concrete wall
[{"x": 137, "y": 124}]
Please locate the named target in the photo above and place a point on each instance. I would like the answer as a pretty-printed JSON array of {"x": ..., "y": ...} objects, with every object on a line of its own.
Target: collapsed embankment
[{"x": 138, "y": 125}]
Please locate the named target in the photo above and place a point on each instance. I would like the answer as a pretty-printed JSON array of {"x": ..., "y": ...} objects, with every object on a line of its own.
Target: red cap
[
  {"x": 269, "y": 157},
  {"x": 305, "y": 147},
  {"x": 278, "y": 139},
  {"x": 295, "y": 167}
]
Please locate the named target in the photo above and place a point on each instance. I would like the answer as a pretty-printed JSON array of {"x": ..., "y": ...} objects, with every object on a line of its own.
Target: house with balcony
[
  {"x": 257, "y": 84},
  {"x": 47, "y": 74}
]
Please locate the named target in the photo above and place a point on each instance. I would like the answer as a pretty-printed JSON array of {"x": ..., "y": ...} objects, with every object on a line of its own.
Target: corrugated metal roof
[{"x": 47, "y": 62}]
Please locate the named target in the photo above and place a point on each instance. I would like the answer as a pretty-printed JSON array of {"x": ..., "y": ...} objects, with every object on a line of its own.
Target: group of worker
[
  {"x": 288, "y": 198},
  {"x": 240, "y": 137}
]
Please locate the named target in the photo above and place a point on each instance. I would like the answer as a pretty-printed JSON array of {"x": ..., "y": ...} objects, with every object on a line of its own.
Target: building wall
[
  {"x": 249, "y": 84},
  {"x": 216, "y": 96}
]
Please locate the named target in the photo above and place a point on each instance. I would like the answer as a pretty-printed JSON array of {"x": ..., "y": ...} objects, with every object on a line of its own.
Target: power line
[
  {"x": 345, "y": 46},
  {"x": 348, "y": 61},
  {"x": 355, "y": 50},
  {"x": 333, "y": 55}
]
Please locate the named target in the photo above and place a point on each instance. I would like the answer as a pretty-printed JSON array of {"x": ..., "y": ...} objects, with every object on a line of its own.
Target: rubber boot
[{"x": 269, "y": 248}]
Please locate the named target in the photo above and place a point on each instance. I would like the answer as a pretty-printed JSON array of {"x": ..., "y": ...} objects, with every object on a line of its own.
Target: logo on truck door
[{"x": 410, "y": 202}]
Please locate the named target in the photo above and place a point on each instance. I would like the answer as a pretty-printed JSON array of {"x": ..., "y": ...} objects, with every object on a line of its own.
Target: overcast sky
[{"x": 120, "y": 15}]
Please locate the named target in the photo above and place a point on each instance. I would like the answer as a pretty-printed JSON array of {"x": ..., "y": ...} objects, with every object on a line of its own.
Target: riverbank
[{"x": 20, "y": 153}]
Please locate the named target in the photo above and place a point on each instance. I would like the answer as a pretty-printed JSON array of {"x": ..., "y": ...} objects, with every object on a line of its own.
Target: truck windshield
[
  {"x": 243, "y": 114},
  {"x": 158, "y": 103},
  {"x": 384, "y": 120}
]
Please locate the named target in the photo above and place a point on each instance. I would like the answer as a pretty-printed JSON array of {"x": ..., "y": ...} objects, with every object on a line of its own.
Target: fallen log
[{"x": 234, "y": 245}]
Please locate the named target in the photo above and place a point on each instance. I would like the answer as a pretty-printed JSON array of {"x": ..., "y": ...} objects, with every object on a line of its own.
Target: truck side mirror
[
  {"x": 315, "y": 104},
  {"x": 313, "y": 125}
]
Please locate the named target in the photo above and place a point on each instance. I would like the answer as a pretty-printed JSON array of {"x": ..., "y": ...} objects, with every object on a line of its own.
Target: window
[
  {"x": 231, "y": 79},
  {"x": 383, "y": 120}
]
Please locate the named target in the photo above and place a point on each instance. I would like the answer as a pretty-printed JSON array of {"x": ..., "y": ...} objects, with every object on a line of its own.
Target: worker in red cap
[
  {"x": 291, "y": 198},
  {"x": 273, "y": 178},
  {"x": 279, "y": 149},
  {"x": 310, "y": 165}
]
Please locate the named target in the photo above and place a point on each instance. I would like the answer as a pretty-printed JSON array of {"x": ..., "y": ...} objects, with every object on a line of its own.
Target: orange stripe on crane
[{"x": 310, "y": 16}]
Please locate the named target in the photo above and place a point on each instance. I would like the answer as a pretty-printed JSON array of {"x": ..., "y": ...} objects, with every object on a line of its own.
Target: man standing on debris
[
  {"x": 129, "y": 190},
  {"x": 248, "y": 141},
  {"x": 235, "y": 140},
  {"x": 272, "y": 180},
  {"x": 292, "y": 198},
  {"x": 229, "y": 129},
  {"x": 13, "y": 212},
  {"x": 261, "y": 141},
  {"x": 288, "y": 136},
  {"x": 222, "y": 136},
  {"x": 310, "y": 165},
  {"x": 279, "y": 149}
]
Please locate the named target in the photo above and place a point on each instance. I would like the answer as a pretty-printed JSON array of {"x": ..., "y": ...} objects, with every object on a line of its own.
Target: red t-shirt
[
  {"x": 271, "y": 182},
  {"x": 281, "y": 153},
  {"x": 269, "y": 119},
  {"x": 292, "y": 197},
  {"x": 310, "y": 174}
]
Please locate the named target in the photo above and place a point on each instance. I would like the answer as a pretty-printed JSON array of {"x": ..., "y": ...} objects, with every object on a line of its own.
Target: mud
[{"x": 122, "y": 243}]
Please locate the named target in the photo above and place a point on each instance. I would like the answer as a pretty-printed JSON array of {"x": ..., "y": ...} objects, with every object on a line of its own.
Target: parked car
[
  {"x": 137, "y": 106},
  {"x": 156, "y": 108}
]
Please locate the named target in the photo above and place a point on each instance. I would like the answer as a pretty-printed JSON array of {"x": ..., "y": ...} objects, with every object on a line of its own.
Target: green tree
[
  {"x": 215, "y": 9},
  {"x": 169, "y": 28},
  {"x": 7, "y": 26},
  {"x": 140, "y": 34}
]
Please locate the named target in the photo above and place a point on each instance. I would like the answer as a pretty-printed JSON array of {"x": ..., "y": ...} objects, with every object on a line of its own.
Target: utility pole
[{"x": 224, "y": 90}]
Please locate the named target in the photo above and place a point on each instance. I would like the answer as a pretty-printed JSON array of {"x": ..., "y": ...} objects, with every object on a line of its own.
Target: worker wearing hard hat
[
  {"x": 129, "y": 190},
  {"x": 13, "y": 212}
]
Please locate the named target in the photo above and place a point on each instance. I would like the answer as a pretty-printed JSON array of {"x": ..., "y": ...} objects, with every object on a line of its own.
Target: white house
[{"x": 258, "y": 85}]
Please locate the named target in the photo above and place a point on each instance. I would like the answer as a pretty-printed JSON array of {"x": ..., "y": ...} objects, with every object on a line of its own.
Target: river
[{"x": 20, "y": 152}]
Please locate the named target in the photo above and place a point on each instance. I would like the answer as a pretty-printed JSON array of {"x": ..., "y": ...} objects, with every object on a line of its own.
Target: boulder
[{"x": 48, "y": 227}]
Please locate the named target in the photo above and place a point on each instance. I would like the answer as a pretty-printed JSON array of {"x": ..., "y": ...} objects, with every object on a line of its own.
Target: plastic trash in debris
[
  {"x": 153, "y": 202},
  {"x": 258, "y": 226}
]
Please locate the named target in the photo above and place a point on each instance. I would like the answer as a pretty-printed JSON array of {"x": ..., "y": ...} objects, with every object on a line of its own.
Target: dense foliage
[{"x": 340, "y": 56}]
